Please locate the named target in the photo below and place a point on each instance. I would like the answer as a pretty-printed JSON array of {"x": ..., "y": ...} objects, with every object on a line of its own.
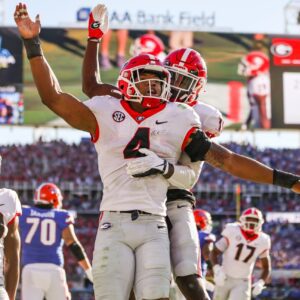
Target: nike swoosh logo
[
  {"x": 181, "y": 206},
  {"x": 158, "y": 123}
]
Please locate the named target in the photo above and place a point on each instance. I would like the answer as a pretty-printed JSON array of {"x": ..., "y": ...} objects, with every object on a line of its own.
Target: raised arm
[
  {"x": 91, "y": 80},
  {"x": 201, "y": 148},
  {"x": 64, "y": 105}
]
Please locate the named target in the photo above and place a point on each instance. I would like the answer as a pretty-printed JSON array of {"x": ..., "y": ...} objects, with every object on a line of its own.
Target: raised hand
[
  {"x": 98, "y": 21},
  {"x": 27, "y": 28}
]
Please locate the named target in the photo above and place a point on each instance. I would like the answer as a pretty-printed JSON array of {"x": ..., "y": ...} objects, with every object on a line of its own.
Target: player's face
[
  {"x": 149, "y": 85},
  {"x": 252, "y": 223}
]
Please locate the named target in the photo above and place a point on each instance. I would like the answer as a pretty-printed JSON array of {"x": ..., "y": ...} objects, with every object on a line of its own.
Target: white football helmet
[{"x": 252, "y": 220}]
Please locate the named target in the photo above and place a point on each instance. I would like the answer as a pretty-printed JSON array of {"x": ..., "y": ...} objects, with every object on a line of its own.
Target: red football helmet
[
  {"x": 203, "y": 219},
  {"x": 252, "y": 220},
  {"x": 188, "y": 74},
  {"x": 131, "y": 76},
  {"x": 253, "y": 64},
  {"x": 48, "y": 193},
  {"x": 147, "y": 44}
]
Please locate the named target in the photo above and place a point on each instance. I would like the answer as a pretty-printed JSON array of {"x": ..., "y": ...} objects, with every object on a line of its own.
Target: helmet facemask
[
  {"x": 150, "y": 92},
  {"x": 184, "y": 86},
  {"x": 252, "y": 220}
]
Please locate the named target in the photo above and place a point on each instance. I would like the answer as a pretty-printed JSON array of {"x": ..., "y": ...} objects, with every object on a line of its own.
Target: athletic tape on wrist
[{"x": 33, "y": 47}]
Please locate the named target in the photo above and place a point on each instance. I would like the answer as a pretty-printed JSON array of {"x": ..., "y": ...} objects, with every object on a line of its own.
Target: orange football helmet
[
  {"x": 203, "y": 219},
  {"x": 48, "y": 193}
]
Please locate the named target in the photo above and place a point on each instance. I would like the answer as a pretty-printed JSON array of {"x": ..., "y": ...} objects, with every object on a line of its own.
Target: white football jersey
[
  {"x": 10, "y": 207},
  {"x": 212, "y": 124},
  {"x": 260, "y": 86},
  {"x": 211, "y": 118},
  {"x": 123, "y": 132},
  {"x": 240, "y": 255}
]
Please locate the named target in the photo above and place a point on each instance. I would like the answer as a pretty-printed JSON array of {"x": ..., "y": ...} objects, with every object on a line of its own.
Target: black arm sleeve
[
  {"x": 198, "y": 146},
  {"x": 284, "y": 179},
  {"x": 77, "y": 251}
]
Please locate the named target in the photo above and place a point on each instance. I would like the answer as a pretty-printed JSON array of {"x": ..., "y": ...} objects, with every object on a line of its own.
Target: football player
[
  {"x": 206, "y": 238},
  {"x": 45, "y": 227},
  {"x": 188, "y": 78},
  {"x": 148, "y": 44},
  {"x": 255, "y": 67},
  {"x": 132, "y": 226},
  {"x": 10, "y": 210},
  {"x": 241, "y": 244}
]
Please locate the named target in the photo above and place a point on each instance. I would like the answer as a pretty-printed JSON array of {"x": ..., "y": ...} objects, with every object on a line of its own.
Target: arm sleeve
[
  {"x": 183, "y": 177},
  {"x": 186, "y": 173}
]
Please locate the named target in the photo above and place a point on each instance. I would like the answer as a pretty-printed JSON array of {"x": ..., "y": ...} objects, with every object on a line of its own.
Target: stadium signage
[{"x": 276, "y": 17}]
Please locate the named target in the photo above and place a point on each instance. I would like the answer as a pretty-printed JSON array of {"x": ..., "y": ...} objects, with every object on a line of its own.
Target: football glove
[
  {"x": 150, "y": 164},
  {"x": 258, "y": 287},
  {"x": 98, "y": 22},
  {"x": 219, "y": 275}
]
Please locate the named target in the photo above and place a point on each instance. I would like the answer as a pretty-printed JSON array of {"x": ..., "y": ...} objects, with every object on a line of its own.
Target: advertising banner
[{"x": 274, "y": 17}]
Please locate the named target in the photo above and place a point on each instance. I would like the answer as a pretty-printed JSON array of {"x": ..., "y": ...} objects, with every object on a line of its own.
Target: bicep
[{"x": 74, "y": 112}]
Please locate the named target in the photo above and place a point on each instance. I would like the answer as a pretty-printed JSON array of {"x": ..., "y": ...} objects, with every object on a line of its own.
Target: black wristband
[
  {"x": 33, "y": 47},
  {"x": 77, "y": 251},
  {"x": 284, "y": 179}
]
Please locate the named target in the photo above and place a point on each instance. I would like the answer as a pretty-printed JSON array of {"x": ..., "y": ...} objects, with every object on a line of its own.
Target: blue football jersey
[
  {"x": 204, "y": 238},
  {"x": 41, "y": 234}
]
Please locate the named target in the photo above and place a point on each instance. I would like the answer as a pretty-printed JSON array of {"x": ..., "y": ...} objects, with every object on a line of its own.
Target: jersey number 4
[
  {"x": 141, "y": 139},
  {"x": 48, "y": 230},
  {"x": 239, "y": 251}
]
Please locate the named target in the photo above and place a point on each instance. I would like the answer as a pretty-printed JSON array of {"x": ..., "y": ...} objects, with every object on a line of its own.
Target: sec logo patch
[{"x": 118, "y": 116}]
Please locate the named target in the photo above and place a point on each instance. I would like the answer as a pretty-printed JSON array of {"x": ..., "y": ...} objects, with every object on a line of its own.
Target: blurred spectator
[
  {"x": 122, "y": 36},
  {"x": 6, "y": 111},
  {"x": 181, "y": 39}
]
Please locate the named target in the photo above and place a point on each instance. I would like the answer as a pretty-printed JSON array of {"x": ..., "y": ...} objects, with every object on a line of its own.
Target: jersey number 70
[{"x": 47, "y": 229}]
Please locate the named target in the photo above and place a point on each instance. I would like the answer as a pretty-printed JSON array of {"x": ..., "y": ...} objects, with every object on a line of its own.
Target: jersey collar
[
  {"x": 248, "y": 237},
  {"x": 140, "y": 117}
]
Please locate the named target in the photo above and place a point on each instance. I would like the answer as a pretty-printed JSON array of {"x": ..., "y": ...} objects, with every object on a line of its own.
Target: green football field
[{"x": 222, "y": 55}]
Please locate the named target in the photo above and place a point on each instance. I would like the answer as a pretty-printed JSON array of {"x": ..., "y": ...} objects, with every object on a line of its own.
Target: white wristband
[{"x": 89, "y": 274}]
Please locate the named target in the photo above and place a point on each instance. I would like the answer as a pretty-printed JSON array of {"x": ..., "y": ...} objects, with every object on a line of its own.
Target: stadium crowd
[{"x": 29, "y": 165}]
